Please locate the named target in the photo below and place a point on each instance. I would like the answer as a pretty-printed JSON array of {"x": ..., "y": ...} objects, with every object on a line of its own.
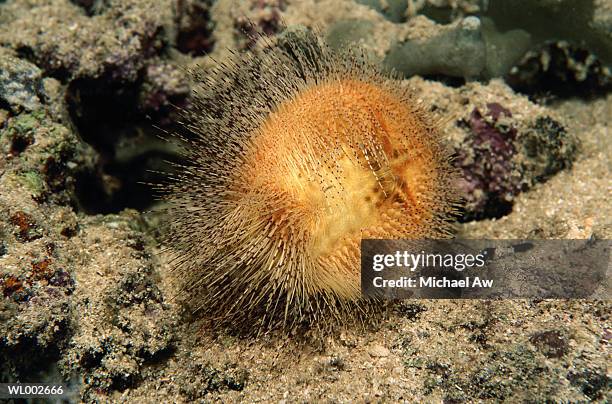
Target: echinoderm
[{"x": 295, "y": 155}]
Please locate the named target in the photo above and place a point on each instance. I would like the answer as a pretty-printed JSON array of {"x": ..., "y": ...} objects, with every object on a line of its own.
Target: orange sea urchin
[{"x": 296, "y": 155}]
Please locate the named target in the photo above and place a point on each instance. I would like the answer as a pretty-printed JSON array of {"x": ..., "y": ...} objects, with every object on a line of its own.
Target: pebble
[{"x": 379, "y": 351}]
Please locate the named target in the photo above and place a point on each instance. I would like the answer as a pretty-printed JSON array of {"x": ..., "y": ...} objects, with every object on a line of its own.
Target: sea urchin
[{"x": 296, "y": 155}]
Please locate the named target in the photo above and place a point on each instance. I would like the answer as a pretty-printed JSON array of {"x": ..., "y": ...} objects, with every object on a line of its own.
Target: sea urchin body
[{"x": 296, "y": 156}]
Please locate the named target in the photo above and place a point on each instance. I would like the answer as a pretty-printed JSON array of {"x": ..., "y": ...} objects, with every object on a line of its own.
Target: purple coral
[{"x": 490, "y": 181}]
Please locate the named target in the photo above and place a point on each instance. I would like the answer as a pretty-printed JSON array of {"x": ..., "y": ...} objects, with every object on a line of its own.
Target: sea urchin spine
[{"x": 296, "y": 155}]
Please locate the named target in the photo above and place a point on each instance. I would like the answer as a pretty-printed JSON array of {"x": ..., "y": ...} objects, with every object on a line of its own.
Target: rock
[
  {"x": 504, "y": 143},
  {"x": 470, "y": 48},
  {"x": 114, "y": 43},
  {"x": 20, "y": 82},
  {"x": 378, "y": 351}
]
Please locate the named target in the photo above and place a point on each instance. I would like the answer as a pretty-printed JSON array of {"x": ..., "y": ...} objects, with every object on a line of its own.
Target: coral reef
[
  {"x": 20, "y": 82},
  {"x": 124, "y": 323},
  {"x": 114, "y": 43},
  {"x": 473, "y": 40},
  {"x": 489, "y": 52},
  {"x": 111, "y": 67},
  {"x": 504, "y": 143},
  {"x": 43, "y": 156},
  {"x": 84, "y": 282},
  {"x": 65, "y": 302},
  {"x": 36, "y": 272}
]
